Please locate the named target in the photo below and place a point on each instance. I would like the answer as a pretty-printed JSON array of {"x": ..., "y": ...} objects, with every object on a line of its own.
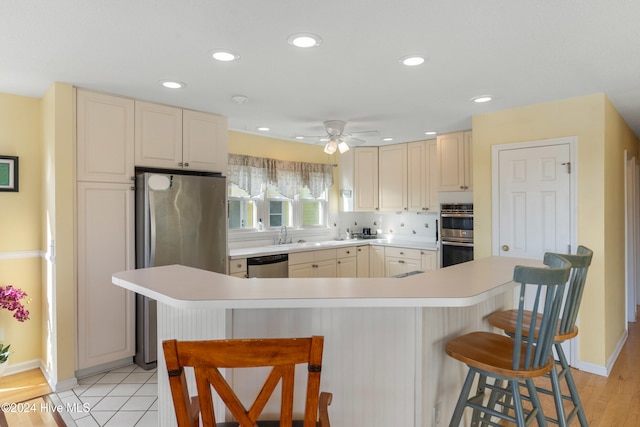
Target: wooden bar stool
[
  {"x": 282, "y": 354},
  {"x": 517, "y": 358},
  {"x": 567, "y": 329}
]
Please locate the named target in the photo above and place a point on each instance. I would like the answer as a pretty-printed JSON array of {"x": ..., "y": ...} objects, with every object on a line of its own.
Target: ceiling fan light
[
  {"x": 343, "y": 147},
  {"x": 331, "y": 147}
]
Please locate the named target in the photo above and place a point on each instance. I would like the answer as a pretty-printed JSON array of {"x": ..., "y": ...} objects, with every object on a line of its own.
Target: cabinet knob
[
  {"x": 186, "y": 165},
  {"x": 401, "y": 261},
  {"x": 348, "y": 252},
  {"x": 339, "y": 262},
  {"x": 359, "y": 250},
  {"x": 133, "y": 178},
  {"x": 133, "y": 188},
  {"x": 505, "y": 248},
  {"x": 401, "y": 253},
  {"x": 180, "y": 164},
  {"x": 239, "y": 265}
]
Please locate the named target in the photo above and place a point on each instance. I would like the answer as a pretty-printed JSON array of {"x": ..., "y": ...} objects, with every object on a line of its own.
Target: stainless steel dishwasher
[{"x": 268, "y": 266}]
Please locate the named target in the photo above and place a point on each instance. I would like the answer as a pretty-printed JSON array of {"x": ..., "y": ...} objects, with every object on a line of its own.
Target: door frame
[
  {"x": 572, "y": 141},
  {"x": 632, "y": 230}
]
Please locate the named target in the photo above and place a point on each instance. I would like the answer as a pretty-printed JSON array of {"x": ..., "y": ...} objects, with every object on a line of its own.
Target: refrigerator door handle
[{"x": 152, "y": 231}]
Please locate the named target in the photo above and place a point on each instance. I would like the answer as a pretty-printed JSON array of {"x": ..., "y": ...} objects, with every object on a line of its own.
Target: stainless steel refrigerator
[{"x": 181, "y": 218}]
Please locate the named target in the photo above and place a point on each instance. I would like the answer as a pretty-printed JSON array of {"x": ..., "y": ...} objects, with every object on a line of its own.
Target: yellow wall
[
  {"x": 21, "y": 135},
  {"x": 601, "y": 135}
]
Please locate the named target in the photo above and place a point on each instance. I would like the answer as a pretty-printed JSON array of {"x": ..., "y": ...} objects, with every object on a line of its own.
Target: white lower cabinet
[
  {"x": 346, "y": 262},
  {"x": 362, "y": 261},
  {"x": 238, "y": 267},
  {"x": 376, "y": 261},
  {"x": 106, "y": 245},
  {"x": 429, "y": 260},
  {"x": 401, "y": 260},
  {"x": 320, "y": 263}
]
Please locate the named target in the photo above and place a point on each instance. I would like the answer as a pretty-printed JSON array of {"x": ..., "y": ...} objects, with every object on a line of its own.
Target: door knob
[{"x": 505, "y": 248}]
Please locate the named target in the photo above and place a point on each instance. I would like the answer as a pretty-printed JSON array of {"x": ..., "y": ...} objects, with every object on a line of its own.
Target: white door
[{"x": 534, "y": 201}]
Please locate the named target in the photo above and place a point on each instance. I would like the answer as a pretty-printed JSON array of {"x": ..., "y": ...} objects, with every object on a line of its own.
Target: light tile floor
[{"x": 123, "y": 397}]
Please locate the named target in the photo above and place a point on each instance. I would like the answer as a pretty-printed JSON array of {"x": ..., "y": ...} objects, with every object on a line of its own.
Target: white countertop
[
  {"x": 456, "y": 286},
  {"x": 327, "y": 244}
]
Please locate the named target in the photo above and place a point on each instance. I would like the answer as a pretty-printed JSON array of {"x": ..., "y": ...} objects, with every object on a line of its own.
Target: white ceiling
[{"x": 521, "y": 52}]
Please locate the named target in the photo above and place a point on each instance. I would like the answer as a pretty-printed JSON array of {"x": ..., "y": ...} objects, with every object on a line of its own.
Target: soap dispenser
[{"x": 260, "y": 225}]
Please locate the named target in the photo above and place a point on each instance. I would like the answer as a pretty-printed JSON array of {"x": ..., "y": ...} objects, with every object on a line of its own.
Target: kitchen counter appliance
[
  {"x": 180, "y": 219},
  {"x": 456, "y": 233},
  {"x": 268, "y": 266}
]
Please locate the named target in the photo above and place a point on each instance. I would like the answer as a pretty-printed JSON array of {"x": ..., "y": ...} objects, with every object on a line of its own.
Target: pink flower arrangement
[{"x": 10, "y": 299}]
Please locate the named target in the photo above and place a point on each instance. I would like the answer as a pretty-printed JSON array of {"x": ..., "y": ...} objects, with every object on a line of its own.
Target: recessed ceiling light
[
  {"x": 482, "y": 98},
  {"x": 172, "y": 84},
  {"x": 387, "y": 139},
  {"x": 224, "y": 55},
  {"x": 304, "y": 40},
  {"x": 412, "y": 60},
  {"x": 240, "y": 99},
  {"x": 263, "y": 129},
  {"x": 431, "y": 132},
  {"x": 299, "y": 137}
]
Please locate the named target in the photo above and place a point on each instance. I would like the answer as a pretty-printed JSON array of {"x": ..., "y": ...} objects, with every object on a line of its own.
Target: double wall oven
[{"x": 456, "y": 233}]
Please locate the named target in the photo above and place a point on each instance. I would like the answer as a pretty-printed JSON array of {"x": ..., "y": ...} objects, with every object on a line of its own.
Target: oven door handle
[{"x": 466, "y": 245}]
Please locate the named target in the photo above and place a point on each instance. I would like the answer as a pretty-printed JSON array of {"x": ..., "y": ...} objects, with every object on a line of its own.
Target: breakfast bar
[{"x": 384, "y": 358}]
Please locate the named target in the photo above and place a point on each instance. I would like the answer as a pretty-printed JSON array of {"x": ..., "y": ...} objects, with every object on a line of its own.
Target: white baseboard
[
  {"x": 16, "y": 368},
  {"x": 605, "y": 370}
]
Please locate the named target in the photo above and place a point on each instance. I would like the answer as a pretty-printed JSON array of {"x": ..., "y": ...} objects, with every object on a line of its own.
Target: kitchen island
[{"x": 384, "y": 357}]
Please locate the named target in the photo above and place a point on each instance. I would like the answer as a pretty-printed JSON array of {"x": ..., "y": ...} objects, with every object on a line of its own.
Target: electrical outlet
[{"x": 437, "y": 414}]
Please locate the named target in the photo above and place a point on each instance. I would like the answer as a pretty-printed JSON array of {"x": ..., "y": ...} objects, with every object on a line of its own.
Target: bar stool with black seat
[
  {"x": 208, "y": 357},
  {"x": 511, "y": 360},
  {"x": 567, "y": 329}
]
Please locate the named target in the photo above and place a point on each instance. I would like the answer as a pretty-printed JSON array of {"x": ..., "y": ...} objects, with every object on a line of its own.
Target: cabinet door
[
  {"x": 326, "y": 268},
  {"x": 347, "y": 267},
  {"x": 106, "y": 325},
  {"x": 429, "y": 260},
  {"x": 377, "y": 261},
  {"x": 451, "y": 159},
  {"x": 366, "y": 179},
  {"x": 362, "y": 257},
  {"x": 468, "y": 160},
  {"x": 158, "y": 136},
  {"x": 204, "y": 142},
  {"x": 105, "y": 131},
  {"x": 433, "y": 201},
  {"x": 392, "y": 161},
  {"x": 417, "y": 176},
  {"x": 301, "y": 270}
]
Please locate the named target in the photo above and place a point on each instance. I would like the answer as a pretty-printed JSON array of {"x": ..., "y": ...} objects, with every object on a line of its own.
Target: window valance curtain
[{"x": 252, "y": 174}]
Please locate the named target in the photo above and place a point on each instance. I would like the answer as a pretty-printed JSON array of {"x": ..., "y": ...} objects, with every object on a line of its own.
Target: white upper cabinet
[
  {"x": 455, "y": 162},
  {"x": 392, "y": 161},
  {"x": 366, "y": 179},
  {"x": 158, "y": 135},
  {"x": 172, "y": 138},
  {"x": 104, "y": 132},
  {"x": 422, "y": 174},
  {"x": 204, "y": 142}
]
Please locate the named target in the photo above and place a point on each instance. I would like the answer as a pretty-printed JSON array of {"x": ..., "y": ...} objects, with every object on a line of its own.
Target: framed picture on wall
[{"x": 8, "y": 173}]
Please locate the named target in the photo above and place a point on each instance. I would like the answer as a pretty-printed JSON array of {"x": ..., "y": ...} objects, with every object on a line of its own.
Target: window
[
  {"x": 273, "y": 193},
  {"x": 242, "y": 209},
  {"x": 275, "y": 210}
]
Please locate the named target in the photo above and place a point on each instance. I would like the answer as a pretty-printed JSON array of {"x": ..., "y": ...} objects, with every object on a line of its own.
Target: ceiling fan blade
[
  {"x": 369, "y": 133},
  {"x": 353, "y": 141}
]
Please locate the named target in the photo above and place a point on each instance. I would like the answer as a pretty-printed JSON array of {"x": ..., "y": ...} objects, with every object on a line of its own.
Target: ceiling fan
[{"x": 337, "y": 140}]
